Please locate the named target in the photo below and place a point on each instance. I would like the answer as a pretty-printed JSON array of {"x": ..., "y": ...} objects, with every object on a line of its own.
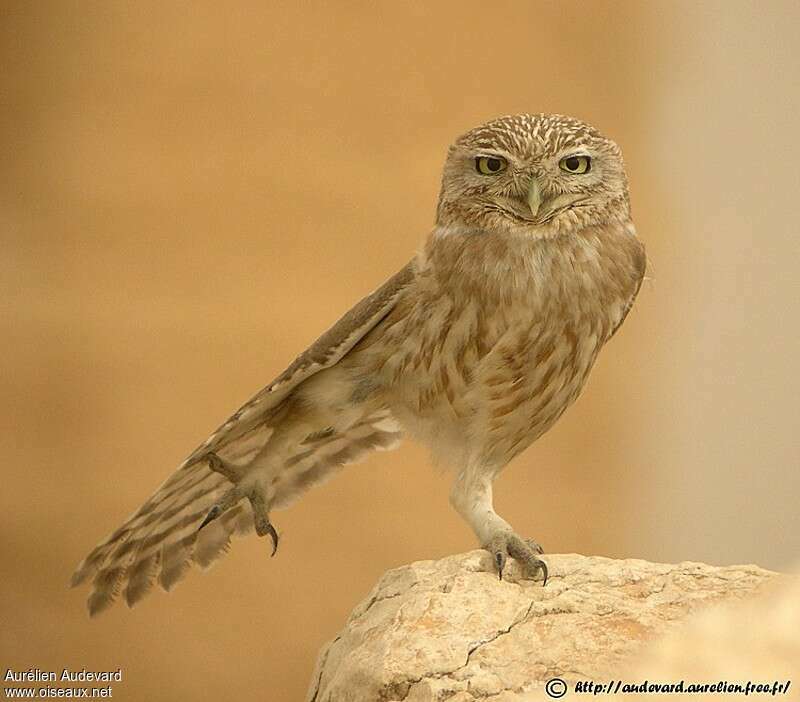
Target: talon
[
  {"x": 543, "y": 568},
  {"x": 261, "y": 519},
  {"x": 500, "y": 562},
  {"x": 228, "y": 500},
  {"x": 274, "y": 536},
  {"x": 264, "y": 527},
  {"x": 213, "y": 513}
]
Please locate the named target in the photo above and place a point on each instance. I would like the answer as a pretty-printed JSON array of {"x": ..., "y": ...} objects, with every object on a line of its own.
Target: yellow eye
[
  {"x": 576, "y": 164},
  {"x": 490, "y": 165}
]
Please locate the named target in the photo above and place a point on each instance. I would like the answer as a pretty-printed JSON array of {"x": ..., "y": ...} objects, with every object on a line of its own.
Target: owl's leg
[
  {"x": 471, "y": 496},
  {"x": 254, "y": 493}
]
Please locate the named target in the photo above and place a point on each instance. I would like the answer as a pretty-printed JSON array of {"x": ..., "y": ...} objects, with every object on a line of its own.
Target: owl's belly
[
  {"x": 490, "y": 394},
  {"x": 527, "y": 381}
]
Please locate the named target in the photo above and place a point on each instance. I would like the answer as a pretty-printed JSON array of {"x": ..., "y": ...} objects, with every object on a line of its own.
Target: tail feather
[
  {"x": 177, "y": 483},
  {"x": 140, "y": 578},
  {"x": 160, "y": 540},
  {"x": 106, "y": 586},
  {"x": 212, "y": 542},
  {"x": 92, "y": 563},
  {"x": 175, "y": 561}
]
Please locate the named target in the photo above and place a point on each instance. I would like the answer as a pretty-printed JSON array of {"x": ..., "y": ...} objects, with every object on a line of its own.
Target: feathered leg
[{"x": 471, "y": 496}]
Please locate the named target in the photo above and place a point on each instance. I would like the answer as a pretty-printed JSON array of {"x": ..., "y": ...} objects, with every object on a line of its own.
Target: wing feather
[
  {"x": 160, "y": 541},
  {"x": 325, "y": 352}
]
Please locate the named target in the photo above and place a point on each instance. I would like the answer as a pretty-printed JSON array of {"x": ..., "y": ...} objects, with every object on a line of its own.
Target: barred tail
[{"x": 161, "y": 539}]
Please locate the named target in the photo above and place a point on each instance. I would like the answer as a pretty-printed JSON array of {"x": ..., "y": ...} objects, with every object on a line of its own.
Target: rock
[
  {"x": 755, "y": 640},
  {"x": 451, "y": 630}
]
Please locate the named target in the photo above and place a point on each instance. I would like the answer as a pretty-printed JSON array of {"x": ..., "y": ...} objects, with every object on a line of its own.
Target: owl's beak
[{"x": 534, "y": 197}]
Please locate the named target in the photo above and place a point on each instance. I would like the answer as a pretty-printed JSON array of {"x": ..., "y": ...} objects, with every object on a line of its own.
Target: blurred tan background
[{"x": 191, "y": 192}]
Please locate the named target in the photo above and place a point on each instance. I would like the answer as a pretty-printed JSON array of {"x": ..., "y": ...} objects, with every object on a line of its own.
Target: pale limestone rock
[
  {"x": 757, "y": 640},
  {"x": 450, "y": 630}
]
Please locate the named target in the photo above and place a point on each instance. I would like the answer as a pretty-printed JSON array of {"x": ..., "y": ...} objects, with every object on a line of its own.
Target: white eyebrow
[
  {"x": 577, "y": 151},
  {"x": 490, "y": 154}
]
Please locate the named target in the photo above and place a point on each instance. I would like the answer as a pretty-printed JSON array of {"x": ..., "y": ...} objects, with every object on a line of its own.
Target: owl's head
[{"x": 533, "y": 174}]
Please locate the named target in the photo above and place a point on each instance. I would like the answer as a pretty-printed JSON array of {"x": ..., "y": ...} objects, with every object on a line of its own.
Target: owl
[{"x": 475, "y": 348}]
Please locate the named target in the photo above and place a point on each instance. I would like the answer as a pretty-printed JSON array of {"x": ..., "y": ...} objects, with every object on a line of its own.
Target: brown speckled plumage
[{"x": 475, "y": 348}]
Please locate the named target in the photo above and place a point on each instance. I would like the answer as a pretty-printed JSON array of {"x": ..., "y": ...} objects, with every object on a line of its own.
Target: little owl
[{"x": 475, "y": 348}]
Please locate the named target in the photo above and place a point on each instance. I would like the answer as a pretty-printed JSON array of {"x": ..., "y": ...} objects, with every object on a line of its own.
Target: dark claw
[
  {"x": 261, "y": 518},
  {"x": 500, "y": 562},
  {"x": 543, "y": 567},
  {"x": 274, "y": 536},
  {"x": 213, "y": 513},
  {"x": 264, "y": 527}
]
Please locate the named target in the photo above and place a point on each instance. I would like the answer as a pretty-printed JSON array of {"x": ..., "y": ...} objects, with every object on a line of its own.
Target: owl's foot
[
  {"x": 525, "y": 552},
  {"x": 255, "y": 495}
]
